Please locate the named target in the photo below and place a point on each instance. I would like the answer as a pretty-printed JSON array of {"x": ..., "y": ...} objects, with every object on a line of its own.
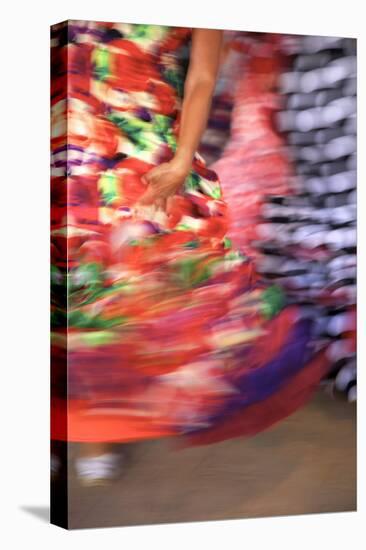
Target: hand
[{"x": 163, "y": 182}]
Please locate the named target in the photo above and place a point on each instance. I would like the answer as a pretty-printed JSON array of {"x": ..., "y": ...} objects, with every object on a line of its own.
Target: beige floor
[{"x": 306, "y": 464}]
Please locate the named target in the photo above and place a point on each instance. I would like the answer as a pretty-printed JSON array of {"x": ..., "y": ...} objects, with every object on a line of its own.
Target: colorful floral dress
[{"x": 158, "y": 327}]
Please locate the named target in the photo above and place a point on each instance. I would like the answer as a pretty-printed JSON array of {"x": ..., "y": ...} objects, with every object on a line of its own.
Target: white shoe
[{"x": 98, "y": 470}]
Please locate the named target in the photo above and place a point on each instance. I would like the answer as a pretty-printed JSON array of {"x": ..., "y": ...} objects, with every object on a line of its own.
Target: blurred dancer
[
  {"x": 309, "y": 238},
  {"x": 253, "y": 163},
  {"x": 169, "y": 330}
]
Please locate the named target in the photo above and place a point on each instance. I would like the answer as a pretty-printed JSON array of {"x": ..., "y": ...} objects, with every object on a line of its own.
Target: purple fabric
[{"x": 258, "y": 384}]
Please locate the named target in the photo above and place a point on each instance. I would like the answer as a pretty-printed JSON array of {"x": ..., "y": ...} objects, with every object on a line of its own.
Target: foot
[{"x": 98, "y": 470}]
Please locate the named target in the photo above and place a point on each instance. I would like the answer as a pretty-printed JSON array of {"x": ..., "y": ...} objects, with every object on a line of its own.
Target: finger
[
  {"x": 160, "y": 202},
  {"x": 169, "y": 202},
  {"x": 151, "y": 174},
  {"x": 153, "y": 191},
  {"x": 145, "y": 198},
  {"x": 155, "y": 178}
]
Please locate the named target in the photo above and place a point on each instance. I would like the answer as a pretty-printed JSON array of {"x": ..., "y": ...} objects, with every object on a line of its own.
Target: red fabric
[{"x": 263, "y": 415}]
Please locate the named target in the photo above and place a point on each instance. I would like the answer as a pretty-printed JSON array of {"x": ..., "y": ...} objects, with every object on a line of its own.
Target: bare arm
[
  {"x": 165, "y": 179},
  {"x": 198, "y": 90}
]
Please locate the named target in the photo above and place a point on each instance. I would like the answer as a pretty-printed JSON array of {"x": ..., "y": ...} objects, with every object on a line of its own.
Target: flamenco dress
[
  {"x": 254, "y": 162},
  {"x": 168, "y": 330}
]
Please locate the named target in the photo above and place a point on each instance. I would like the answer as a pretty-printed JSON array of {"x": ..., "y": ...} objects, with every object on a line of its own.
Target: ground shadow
[{"x": 40, "y": 512}]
